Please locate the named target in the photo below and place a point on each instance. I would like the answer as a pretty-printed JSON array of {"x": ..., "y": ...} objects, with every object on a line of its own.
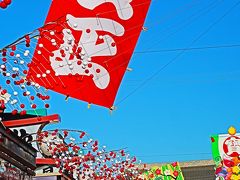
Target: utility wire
[
  {"x": 202, "y": 12},
  {"x": 180, "y": 53},
  {"x": 190, "y": 20},
  {"x": 188, "y": 49},
  {"x": 171, "y": 155}
]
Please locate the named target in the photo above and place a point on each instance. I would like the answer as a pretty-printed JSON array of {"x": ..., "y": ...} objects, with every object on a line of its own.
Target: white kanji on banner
[
  {"x": 123, "y": 7},
  {"x": 86, "y": 46},
  {"x": 87, "y": 42}
]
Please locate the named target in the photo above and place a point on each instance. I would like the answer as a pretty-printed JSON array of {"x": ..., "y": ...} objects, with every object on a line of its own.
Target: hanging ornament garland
[
  {"x": 79, "y": 156},
  {"x": 23, "y": 63},
  {"x": 5, "y": 3},
  {"x": 19, "y": 90}
]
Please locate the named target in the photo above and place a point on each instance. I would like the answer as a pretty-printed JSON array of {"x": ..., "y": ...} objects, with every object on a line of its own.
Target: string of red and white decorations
[
  {"x": 76, "y": 154},
  {"x": 19, "y": 92},
  {"x": 5, "y": 3},
  {"x": 38, "y": 57}
]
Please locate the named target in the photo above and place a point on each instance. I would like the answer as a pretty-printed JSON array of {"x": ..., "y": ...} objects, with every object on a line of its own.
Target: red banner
[{"x": 85, "y": 47}]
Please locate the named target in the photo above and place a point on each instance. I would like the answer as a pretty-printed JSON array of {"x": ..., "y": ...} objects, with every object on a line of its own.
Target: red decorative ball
[
  {"x": 175, "y": 173},
  {"x": 8, "y": 82},
  {"x": 34, "y": 106},
  {"x": 22, "y": 106},
  {"x": 7, "y": 2},
  {"x": 2, "y": 106},
  {"x": 14, "y": 47},
  {"x": 25, "y": 72},
  {"x": 14, "y": 112},
  {"x": 113, "y": 44},
  {"x": 22, "y": 113},
  {"x": 174, "y": 164},
  {"x": 11, "y": 53},
  {"x": 158, "y": 172},
  {"x": 27, "y": 37},
  {"x": 3, "y": 5}
]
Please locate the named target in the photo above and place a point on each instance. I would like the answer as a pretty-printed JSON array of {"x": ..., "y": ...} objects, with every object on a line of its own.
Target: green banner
[
  {"x": 38, "y": 112},
  {"x": 166, "y": 172}
]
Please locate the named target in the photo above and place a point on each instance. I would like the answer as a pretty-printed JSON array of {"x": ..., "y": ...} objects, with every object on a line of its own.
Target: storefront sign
[{"x": 226, "y": 151}]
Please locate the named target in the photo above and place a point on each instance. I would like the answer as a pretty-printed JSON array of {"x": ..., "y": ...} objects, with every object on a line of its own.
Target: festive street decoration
[
  {"x": 17, "y": 92},
  {"x": 226, "y": 151},
  {"x": 76, "y": 154},
  {"x": 166, "y": 172},
  {"x": 5, "y": 3},
  {"x": 72, "y": 152},
  {"x": 87, "y": 50},
  {"x": 82, "y": 51}
]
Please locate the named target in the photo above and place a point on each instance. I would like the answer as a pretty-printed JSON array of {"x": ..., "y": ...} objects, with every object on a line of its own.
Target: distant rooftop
[
  {"x": 194, "y": 170},
  {"x": 187, "y": 163},
  {"x": 197, "y": 163}
]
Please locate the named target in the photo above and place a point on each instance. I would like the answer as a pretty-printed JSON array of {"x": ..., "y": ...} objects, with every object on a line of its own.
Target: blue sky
[{"x": 172, "y": 116}]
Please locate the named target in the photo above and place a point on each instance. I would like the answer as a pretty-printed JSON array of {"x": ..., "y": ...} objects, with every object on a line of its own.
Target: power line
[
  {"x": 180, "y": 53},
  {"x": 191, "y": 19},
  {"x": 171, "y": 155},
  {"x": 188, "y": 49}
]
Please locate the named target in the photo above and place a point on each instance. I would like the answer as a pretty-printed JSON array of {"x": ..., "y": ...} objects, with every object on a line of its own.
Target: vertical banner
[{"x": 85, "y": 47}]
